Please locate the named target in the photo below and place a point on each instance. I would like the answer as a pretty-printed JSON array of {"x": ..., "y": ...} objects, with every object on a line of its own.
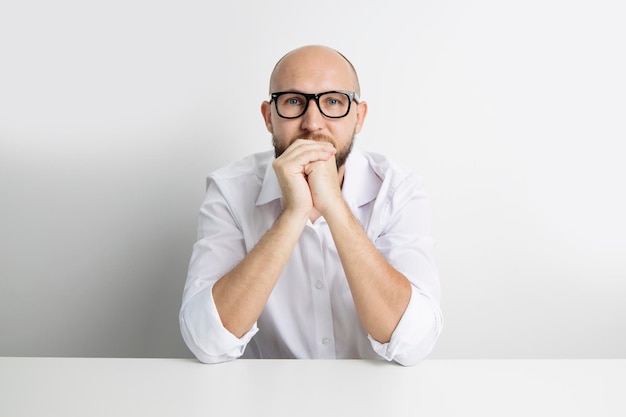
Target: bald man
[{"x": 313, "y": 250}]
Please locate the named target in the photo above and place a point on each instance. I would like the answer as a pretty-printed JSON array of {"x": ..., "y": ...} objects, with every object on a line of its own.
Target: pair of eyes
[{"x": 324, "y": 100}]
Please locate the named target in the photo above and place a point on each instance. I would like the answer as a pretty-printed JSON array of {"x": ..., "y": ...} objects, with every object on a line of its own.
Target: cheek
[
  {"x": 345, "y": 132},
  {"x": 286, "y": 129}
]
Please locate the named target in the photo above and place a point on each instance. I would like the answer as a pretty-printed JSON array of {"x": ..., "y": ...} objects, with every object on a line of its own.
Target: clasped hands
[{"x": 308, "y": 177}]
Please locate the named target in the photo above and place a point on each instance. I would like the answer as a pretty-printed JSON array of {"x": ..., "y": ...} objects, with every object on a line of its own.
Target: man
[{"x": 313, "y": 251}]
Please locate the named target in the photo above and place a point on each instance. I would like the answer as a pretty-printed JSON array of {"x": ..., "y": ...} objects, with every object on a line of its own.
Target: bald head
[{"x": 311, "y": 68}]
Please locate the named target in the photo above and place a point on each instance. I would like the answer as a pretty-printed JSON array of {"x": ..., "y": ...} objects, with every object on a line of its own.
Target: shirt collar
[
  {"x": 360, "y": 184},
  {"x": 270, "y": 190}
]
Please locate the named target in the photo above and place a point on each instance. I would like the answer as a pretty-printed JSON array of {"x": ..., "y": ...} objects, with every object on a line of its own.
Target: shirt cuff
[{"x": 204, "y": 333}]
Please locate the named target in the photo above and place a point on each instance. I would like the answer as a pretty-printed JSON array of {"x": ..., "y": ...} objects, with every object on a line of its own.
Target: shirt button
[
  {"x": 319, "y": 284},
  {"x": 325, "y": 341}
]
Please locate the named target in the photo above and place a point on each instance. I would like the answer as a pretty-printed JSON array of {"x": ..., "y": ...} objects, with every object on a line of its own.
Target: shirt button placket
[{"x": 320, "y": 296}]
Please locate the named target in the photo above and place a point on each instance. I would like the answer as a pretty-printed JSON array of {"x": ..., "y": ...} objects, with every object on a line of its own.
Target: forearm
[
  {"x": 241, "y": 294},
  {"x": 380, "y": 292}
]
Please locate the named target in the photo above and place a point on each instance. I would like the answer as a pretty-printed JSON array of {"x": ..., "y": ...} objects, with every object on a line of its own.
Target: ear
[
  {"x": 266, "y": 111},
  {"x": 361, "y": 112}
]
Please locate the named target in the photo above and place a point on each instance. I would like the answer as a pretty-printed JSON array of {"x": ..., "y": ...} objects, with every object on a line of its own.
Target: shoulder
[
  {"x": 238, "y": 184},
  {"x": 253, "y": 165},
  {"x": 241, "y": 179},
  {"x": 389, "y": 171}
]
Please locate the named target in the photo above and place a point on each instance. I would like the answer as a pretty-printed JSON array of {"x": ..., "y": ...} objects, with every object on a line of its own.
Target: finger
[
  {"x": 326, "y": 165},
  {"x": 300, "y": 145},
  {"x": 304, "y": 153}
]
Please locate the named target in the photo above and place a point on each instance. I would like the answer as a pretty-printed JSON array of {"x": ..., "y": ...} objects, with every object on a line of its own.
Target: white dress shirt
[{"x": 310, "y": 312}]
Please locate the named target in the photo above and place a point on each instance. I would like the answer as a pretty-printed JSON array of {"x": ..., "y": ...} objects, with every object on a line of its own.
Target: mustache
[{"x": 320, "y": 137}]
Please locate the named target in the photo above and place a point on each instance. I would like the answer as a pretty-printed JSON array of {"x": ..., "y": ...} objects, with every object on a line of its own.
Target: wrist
[
  {"x": 295, "y": 215},
  {"x": 337, "y": 212}
]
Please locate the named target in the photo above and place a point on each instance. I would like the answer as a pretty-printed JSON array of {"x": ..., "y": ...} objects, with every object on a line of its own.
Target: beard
[{"x": 340, "y": 157}]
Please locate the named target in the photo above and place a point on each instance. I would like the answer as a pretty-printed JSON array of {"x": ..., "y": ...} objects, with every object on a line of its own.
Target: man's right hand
[{"x": 290, "y": 170}]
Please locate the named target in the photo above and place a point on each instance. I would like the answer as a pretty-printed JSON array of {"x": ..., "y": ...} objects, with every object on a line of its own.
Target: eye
[
  {"x": 293, "y": 100},
  {"x": 334, "y": 100}
]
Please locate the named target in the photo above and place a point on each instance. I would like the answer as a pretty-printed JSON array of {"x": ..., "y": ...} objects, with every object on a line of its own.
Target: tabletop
[{"x": 184, "y": 387}]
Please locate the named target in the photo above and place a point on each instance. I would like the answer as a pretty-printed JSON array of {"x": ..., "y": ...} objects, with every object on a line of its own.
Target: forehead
[{"x": 312, "y": 71}]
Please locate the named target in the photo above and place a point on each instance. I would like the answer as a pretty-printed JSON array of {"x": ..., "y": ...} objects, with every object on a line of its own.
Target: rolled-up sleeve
[
  {"x": 403, "y": 236},
  {"x": 416, "y": 333},
  {"x": 220, "y": 246},
  {"x": 204, "y": 334}
]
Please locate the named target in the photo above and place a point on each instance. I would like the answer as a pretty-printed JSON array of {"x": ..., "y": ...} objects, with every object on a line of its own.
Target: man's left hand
[{"x": 324, "y": 182}]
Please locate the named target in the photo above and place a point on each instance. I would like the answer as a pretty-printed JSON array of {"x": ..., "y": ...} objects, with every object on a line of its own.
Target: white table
[{"x": 178, "y": 387}]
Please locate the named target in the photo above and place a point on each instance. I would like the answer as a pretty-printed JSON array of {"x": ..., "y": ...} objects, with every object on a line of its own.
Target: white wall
[{"x": 112, "y": 113}]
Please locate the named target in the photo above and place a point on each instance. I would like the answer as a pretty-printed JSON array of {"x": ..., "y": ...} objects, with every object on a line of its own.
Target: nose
[{"x": 312, "y": 119}]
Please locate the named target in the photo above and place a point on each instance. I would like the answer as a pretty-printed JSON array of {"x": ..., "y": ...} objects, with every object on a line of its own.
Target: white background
[{"x": 113, "y": 112}]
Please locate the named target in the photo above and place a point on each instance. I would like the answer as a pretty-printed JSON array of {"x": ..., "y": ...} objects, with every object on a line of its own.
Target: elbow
[
  {"x": 424, "y": 346},
  {"x": 416, "y": 334},
  {"x": 207, "y": 339},
  {"x": 204, "y": 354}
]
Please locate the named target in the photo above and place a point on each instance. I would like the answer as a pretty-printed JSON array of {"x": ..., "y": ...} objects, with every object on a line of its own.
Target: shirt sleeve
[
  {"x": 220, "y": 246},
  {"x": 416, "y": 333},
  {"x": 403, "y": 237}
]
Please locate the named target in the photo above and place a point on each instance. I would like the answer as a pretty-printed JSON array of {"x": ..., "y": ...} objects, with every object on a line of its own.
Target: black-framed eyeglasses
[{"x": 333, "y": 104}]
